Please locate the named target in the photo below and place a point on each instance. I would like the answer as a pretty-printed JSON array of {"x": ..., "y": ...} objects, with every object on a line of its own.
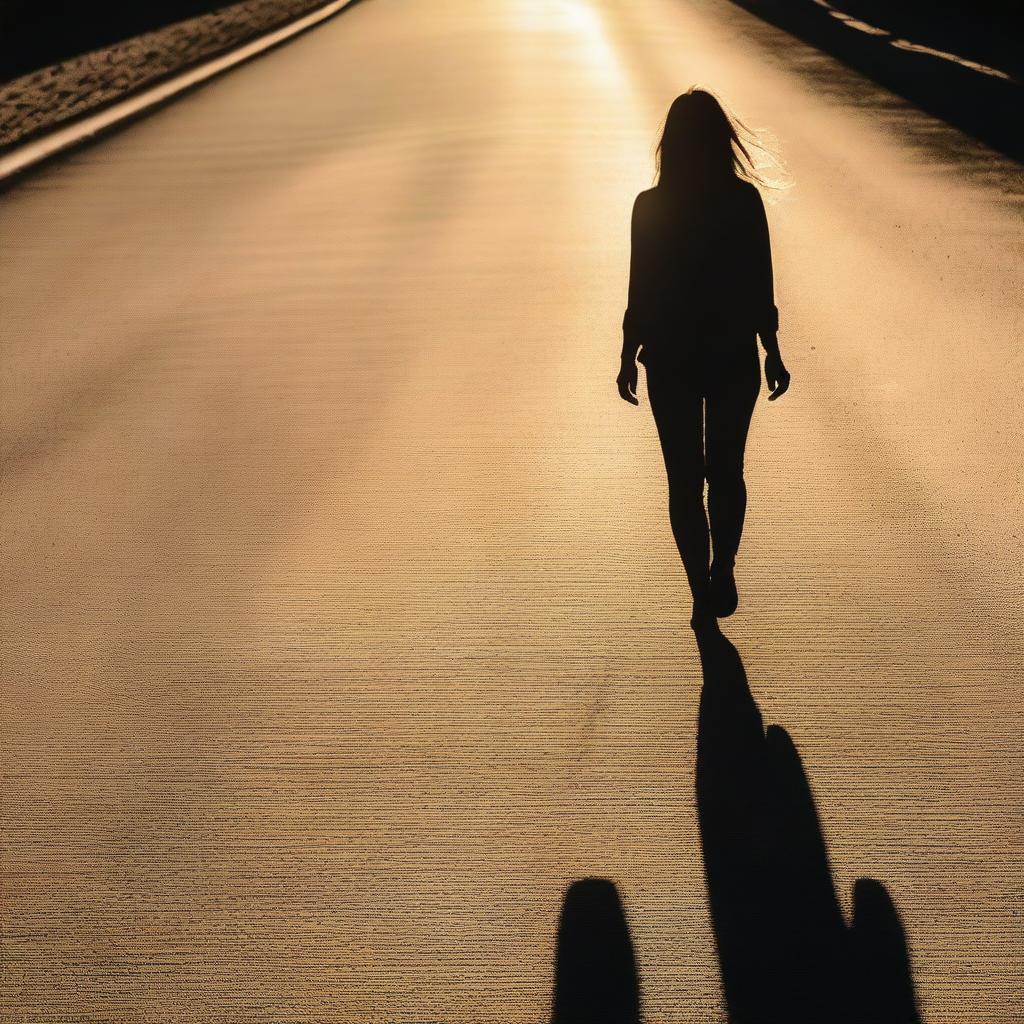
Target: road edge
[{"x": 62, "y": 139}]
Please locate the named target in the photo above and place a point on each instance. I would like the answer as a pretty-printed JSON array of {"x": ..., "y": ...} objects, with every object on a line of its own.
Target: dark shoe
[
  {"x": 703, "y": 606},
  {"x": 724, "y": 597},
  {"x": 703, "y": 614}
]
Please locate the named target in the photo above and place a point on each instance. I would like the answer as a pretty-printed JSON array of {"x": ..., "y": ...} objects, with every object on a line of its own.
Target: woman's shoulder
[
  {"x": 645, "y": 198},
  {"x": 645, "y": 208},
  {"x": 750, "y": 193}
]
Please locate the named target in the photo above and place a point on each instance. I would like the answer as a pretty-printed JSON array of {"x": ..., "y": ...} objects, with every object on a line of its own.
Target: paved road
[{"x": 346, "y": 625}]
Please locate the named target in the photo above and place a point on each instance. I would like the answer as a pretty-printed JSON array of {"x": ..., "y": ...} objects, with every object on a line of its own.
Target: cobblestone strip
[{"x": 42, "y": 100}]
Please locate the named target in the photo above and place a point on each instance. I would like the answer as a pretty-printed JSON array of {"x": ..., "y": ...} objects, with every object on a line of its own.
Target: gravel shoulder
[{"x": 53, "y": 96}]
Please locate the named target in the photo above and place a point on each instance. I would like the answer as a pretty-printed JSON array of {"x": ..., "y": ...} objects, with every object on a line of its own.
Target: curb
[{"x": 60, "y": 140}]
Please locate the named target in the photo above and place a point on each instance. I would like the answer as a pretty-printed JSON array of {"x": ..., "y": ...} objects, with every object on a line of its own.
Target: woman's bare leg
[
  {"x": 732, "y": 394},
  {"x": 679, "y": 416}
]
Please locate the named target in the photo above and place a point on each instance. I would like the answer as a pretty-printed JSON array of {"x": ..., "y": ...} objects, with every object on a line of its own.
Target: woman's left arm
[{"x": 776, "y": 375}]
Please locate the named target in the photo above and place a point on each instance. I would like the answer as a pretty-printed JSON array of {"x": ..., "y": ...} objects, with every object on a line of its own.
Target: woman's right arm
[
  {"x": 631, "y": 338},
  {"x": 631, "y": 341}
]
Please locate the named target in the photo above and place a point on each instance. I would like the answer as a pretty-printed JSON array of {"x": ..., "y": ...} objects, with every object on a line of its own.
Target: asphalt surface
[{"x": 345, "y": 626}]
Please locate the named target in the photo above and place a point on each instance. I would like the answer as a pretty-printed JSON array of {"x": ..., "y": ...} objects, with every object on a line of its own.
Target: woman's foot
[
  {"x": 724, "y": 597},
  {"x": 703, "y": 606}
]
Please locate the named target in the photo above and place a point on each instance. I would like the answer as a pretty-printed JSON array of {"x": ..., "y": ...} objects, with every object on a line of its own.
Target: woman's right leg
[{"x": 679, "y": 416}]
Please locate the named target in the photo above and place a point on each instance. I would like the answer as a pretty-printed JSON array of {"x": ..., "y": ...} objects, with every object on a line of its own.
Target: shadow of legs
[{"x": 786, "y": 953}]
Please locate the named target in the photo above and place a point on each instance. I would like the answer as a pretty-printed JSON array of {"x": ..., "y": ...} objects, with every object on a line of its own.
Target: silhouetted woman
[{"x": 700, "y": 293}]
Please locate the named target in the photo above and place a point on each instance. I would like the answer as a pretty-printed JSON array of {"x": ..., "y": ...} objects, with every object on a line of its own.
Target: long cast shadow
[
  {"x": 785, "y": 951},
  {"x": 596, "y": 979}
]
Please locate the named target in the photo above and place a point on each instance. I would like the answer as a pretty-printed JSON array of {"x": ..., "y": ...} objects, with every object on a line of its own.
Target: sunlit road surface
[{"x": 346, "y": 627}]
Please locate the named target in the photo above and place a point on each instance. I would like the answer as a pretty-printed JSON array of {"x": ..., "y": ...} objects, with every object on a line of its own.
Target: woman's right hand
[{"x": 627, "y": 381}]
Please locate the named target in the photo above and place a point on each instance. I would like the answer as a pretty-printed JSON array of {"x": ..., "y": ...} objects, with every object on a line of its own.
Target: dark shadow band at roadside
[{"x": 981, "y": 104}]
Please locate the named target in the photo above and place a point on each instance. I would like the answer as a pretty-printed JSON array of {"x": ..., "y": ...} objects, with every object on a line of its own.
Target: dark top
[{"x": 700, "y": 269}]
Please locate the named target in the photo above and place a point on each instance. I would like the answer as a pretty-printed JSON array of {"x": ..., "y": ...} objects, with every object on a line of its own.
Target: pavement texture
[{"x": 345, "y": 629}]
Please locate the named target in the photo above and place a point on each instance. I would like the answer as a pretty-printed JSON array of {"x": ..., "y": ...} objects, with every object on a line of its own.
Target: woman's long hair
[{"x": 701, "y": 144}]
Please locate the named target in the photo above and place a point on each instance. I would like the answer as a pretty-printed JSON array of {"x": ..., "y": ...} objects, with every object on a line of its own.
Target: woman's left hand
[{"x": 776, "y": 375}]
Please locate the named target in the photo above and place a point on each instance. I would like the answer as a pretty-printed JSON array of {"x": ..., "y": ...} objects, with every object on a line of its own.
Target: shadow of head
[{"x": 596, "y": 979}]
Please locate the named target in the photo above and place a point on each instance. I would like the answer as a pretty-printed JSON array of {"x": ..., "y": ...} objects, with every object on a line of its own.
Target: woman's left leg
[{"x": 731, "y": 398}]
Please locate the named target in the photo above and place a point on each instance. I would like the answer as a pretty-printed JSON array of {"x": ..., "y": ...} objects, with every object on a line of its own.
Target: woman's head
[{"x": 701, "y": 143}]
